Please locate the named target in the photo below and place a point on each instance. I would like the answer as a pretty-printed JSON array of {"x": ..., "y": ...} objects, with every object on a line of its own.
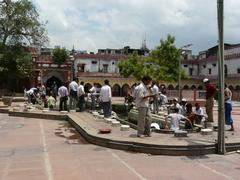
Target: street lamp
[
  {"x": 179, "y": 71},
  {"x": 72, "y": 66}
]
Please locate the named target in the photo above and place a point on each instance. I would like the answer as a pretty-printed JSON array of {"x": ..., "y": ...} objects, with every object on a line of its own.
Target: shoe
[
  {"x": 148, "y": 135},
  {"x": 230, "y": 129},
  {"x": 140, "y": 136}
]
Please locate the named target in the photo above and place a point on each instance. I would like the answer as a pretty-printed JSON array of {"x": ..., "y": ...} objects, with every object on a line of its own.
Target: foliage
[
  {"x": 60, "y": 55},
  {"x": 19, "y": 23},
  {"x": 20, "y": 27},
  {"x": 161, "y": 64}
]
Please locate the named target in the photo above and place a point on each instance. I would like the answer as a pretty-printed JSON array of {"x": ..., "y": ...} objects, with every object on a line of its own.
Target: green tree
[
  {"x": 161, "y": 64},
  {"x": 20, "y": 27},
  {"x": 60, "y": 55}
]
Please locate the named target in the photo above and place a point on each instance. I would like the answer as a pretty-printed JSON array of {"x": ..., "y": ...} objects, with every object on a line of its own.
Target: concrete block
[
  {"x": 206, "y": 131},
  {"x": 45, "y": 110},
  {"x": 16, "y": 109},
  {"x": 63, "y": 112},
  {"x": 179, "y": 133},
  {"x": 108, "y": 120},
  {"x": 116, "y": 123},
  {"x": 125, "y": 127},
  {"x": 72, "y": 111}
]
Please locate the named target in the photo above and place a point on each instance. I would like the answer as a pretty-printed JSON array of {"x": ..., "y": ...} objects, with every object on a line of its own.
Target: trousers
[{"x": 144, "y": 121}]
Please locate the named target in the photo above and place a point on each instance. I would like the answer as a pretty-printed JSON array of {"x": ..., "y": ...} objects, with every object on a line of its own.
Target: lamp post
[
  {"x": 72, "y": 66},
  {"x": 179, "y": 71},
  {"x": 221, "y": 79}
]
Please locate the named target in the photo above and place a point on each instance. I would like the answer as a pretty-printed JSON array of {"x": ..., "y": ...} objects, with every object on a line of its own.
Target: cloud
[{"x": 93, "y": 24}]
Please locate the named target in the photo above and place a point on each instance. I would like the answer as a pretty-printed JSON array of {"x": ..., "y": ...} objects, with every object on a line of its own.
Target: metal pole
[
  {"x": 179, "y": 79},
  {"x": 221, "y": 109}
]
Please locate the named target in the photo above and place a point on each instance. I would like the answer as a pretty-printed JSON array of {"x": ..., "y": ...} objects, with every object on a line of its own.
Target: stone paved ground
[{"x": 33, "y": 149}]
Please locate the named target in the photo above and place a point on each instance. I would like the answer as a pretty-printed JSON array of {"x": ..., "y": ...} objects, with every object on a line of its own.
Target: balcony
[{"x": 98, "y": 74}]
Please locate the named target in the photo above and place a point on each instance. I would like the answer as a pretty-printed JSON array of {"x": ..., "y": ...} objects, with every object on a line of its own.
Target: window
[
  {"x": 214, "y": 65},
  {"x": 94, "y": 62},
  {"x": 238, "y": 70},
  {"x": 185, "y": 65},
  {"x": 209, "y": 71},
  {"x": 82, "y": 68},
  {"x": 190, "y": 71},
  {"x": 105, "y": 68},
  {"x": 204, "y": 66}
]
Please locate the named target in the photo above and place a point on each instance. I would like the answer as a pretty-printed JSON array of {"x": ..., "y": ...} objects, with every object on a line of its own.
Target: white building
[{"x": 206, "y": 64}]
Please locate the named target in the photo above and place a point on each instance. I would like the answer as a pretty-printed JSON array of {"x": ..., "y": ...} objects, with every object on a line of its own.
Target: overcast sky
[{"x": 94, "y": 24}]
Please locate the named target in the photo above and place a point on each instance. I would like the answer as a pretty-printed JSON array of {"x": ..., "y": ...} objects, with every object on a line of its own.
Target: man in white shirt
[
  {"x": 63, "y": 94},
  {"x": 93, "y": 92},
  {"x": 31, "y": 94},
  {"x": 175, "y": 119},
  {"x": 199, "y": 113},
  {"x": 81, "y": 97},
  {"x": 155, "y": 91},
  {"x": 73, "y": 88},
  {"x": 106, "y": 96},
  {"x": 142, "y": 103}
]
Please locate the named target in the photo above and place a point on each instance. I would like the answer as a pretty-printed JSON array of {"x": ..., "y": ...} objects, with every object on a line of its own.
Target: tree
[
  {"x": 20, "y": 27},
  {"x": 60, "y": 55},
  {"x": 19, "y": 23},
  {"x": 161, "y": 64}
]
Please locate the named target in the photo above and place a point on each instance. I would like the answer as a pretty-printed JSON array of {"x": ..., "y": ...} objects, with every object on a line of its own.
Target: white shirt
[
  {"x": 155, "y": 90},
  {"x": 164, "y": 99},
  {"x": 31, "y": 91},
  {"x": 93, "y": 90},
  {"x": 81, "y": 90},
  {"x": 175, "y": 120},
  {"x": 106, "y": 93},
  {"x": 199, "y": 111},
  {"x": 73, "y": 86},
  {"x": 142, "y": 92},
  {"x": 135, "y": 92},
  {"x": 63, "y": 91}
]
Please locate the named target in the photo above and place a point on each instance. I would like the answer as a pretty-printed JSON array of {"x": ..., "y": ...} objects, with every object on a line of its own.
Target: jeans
[
  {"x": 107, "y": 109},
  {"x": 81, "y": 103},
  {"x": 73, "y": 101},
  {"x": 63, "y": 103},
  {"x": 93, "y": 103}
]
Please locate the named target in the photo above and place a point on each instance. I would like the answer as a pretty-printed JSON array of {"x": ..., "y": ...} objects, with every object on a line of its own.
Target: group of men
[
  {"x": 77, "y": 95},
  {"x": 145, "y": 91}
]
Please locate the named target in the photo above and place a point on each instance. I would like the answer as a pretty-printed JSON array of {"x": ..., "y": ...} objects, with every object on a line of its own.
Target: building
[{"x": 95, "y": 68}]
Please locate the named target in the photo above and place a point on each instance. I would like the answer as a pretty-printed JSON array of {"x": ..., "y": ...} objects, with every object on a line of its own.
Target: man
[
  {"x": 105, "y": 97},
  {"x": 155, "y": 91},
  {"x": 63, "y": 95},
  {"x": 199, "y": 113},
  {"x": 142, "y": 102},
  {"x": 73, "y": 88},
  {"x": 81, "y": 97},
  {"x": 228, "y": 93},
  {"x": 183, "y": 106},
  {"x": 210, "y": 93},
  {"x": 175, "y": 119},
  {"x": 93, "y": 92},
  {"x": 31, "y": 93},
  {"x": 176, "y": 105}
]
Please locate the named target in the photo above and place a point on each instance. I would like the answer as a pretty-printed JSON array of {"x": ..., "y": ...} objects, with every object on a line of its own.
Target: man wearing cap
[{"x": 210, "y": 93}]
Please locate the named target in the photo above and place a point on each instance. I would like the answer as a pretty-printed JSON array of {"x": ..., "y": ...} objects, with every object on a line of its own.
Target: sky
[{"x": 98, "y": 24}]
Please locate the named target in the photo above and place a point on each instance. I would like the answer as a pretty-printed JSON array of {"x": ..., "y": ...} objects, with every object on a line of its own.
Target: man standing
[
  {"x": 155, "y": 91},
  {"x": 81, "y": 97},
  {"x": 63, "y": 94},
  {"x": 106, "y": 96},
  {"x": 142, "y": 103},
  {"x": 73, "y": 88},
  {"x": 93, "y": 92},
  {"x": 210, "y": 93}
]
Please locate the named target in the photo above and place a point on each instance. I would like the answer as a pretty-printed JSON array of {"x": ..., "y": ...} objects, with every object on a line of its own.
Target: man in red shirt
[{"x": 210, "y": 93}]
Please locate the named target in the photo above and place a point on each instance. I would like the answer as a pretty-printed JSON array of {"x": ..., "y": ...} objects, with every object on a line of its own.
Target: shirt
[
  {"x": 63, "y": 91},
  {"x": 228, "y": 94},
  {"x": 210, "y": 91},
  {"x": 164, "y": 99},
  {"x": 93, "y": 90},
  {"x": 51, "y": 101},
  {"x": 155, "y": 90},
  {"x": 142, "y": 92},
  {"x": 135, "y": 92},
  {"x": 31, "y": 91},
  {"x": 73, "y": 86},
  {"x": 199, "y": 112},
  {"x": 175, "y": 120},
  {"x": 106, "y": 93},
  {"x": 81, "y": 90}
]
